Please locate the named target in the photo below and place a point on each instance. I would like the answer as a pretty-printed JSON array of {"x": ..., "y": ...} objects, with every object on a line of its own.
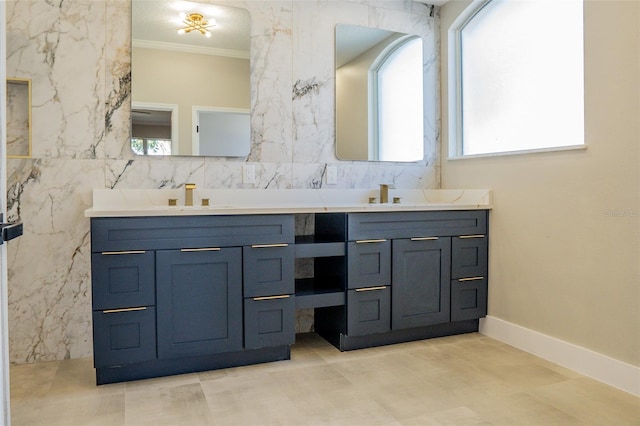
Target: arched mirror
[
  {"x": 190, "y": 86},
  {"x": 379, "y": 95}
]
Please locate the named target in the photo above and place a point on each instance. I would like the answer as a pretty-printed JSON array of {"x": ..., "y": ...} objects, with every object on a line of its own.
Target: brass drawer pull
[
  {"x": 107, "y": 253},
  {"x": 382, "y": 287},
  {"x": 201, "y": 249},
  {"x": 284, "y": 296},
  {"x": 113, "y": 311},
  {"x": 370, "y": 241},
  {"x": 269, "y": 245},
  {"x": 470, "y": 279},
  {"x": 471, "y": 236},
  {"x": 424, "y": 238}
]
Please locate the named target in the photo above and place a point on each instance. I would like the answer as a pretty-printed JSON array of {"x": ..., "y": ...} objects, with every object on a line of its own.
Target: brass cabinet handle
[
  {"x": 269, "y": 245},
  {"x": 382, "y": 287},
  {"x": 370, "y": 241},
  {"x": 284, "y": 296},
  {"x": 113, "y": 311},
  {"x": 108, "y": 253},
  {"x": 471, "y": 236},
  {"x": 471, "y": 279},
  {"x": 424, "y": 238},
  {"x": 201, "y": 249}
]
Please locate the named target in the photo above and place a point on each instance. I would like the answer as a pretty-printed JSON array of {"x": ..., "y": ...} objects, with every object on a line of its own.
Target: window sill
[{"x": 522, "y": 152}]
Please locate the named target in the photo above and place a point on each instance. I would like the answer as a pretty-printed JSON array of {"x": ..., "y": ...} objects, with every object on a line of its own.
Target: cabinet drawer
[
  {"x": 124, "y": 337},
  {"x": 121, "y": 280},
  {"x": 368, "y": 310},
  {"x": 369, "y": 263},
  {"x": 268, "y": 270},
  {"x": 469, "y": 256},
  {"x": 269, "y": 321},
  {"x": 176, "y": 232},
  {"x": 416, "y": 224},
  {"x": 468, "y": 298}
]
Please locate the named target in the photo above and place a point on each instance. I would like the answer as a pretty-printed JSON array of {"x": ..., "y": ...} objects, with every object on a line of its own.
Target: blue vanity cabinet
[
  {"x": 199, "y": 301},
  {"x": 170, "y": 295},
  {"x": 269, "y": 295},
  {"x": 469, "y": 270},
  {"x": 411, "y": 275}
]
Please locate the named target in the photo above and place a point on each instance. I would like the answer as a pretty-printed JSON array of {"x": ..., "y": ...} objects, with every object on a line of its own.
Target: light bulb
[
  {"x": 207, "y": 34},
  {"x": 181, "y": 31}
]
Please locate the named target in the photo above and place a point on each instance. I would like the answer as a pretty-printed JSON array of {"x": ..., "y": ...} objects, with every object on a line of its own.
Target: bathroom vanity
[{"x": 179, "y": 289}]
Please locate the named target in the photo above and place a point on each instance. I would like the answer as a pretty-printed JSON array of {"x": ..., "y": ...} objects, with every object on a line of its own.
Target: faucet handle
[{"x": 189, "y": 186}]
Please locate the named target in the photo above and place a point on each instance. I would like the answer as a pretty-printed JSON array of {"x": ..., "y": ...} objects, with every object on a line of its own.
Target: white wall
[{"x": 565, "y": 228}]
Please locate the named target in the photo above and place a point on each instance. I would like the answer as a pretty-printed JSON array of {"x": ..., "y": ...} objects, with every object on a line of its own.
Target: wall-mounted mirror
[
  {"x": 175, "y": 77},
  {"x": 379, "y": 95},
  {"x": 18, "y": 118}
]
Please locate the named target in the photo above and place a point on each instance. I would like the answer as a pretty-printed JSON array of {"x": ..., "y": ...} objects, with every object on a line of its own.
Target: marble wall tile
[
  {"x": 56, "y": 44},
  {"x": 78, "y": 55},
  {"x": 49, "y": 266},
  {"x": 117, "y": 122}
]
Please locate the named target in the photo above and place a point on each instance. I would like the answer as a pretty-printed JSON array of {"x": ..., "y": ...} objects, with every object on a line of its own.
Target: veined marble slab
[{"x": 154, "y": 202}]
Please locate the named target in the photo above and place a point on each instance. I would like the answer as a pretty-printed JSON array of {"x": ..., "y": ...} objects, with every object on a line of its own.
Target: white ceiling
[
  {"x": 155, "y": 24},
  {"x": 158, "y": 22}
]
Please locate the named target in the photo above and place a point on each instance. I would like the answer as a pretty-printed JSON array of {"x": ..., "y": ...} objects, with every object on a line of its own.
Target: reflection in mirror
[
  {"x": 379, "y": 95},
  {"x": 154, "y": 129},
  {"x": 176, "y": 73},
  {"x": 18, "y": 117}
]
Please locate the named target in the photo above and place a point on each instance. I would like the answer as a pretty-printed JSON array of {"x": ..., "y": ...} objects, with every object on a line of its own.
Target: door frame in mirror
[
  {"x": 195, "y": 135},
  {"x": 172, "y": 108}
]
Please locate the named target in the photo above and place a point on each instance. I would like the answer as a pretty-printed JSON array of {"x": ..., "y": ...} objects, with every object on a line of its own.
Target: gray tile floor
[{"x": 460, "y": 380}]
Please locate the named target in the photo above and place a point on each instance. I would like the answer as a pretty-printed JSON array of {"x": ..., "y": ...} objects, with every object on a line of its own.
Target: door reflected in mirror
[
  {"x": 172, "y": 74},
  {"x": 379, "y": 95}
]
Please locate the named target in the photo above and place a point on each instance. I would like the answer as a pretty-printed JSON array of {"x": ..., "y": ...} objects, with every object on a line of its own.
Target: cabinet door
[
  {"x": 269, "y": 321},
  {"x": 124, "y": 336},
  {"x": 123, "y": 279},
  {"x": 368, "y": 311},
  {"x": 469, "y": 256},
  {"x": 369, "y": 263},
  {"x": 199, "y": 302},
  {"x": 468, "y": 298},
  {"x": 421, "y": 282},
  {"x": 268, "y": 270}
]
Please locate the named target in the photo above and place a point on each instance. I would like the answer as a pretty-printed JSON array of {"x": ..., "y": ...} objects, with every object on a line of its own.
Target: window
[
  {"x": 517, "y": 73},
  {"x": 398, "y": 77},
  {"x": 143, "y": 146}
]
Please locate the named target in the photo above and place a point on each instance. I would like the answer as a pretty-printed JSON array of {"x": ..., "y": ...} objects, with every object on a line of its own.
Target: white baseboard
[{"x": 595, "y": 365}]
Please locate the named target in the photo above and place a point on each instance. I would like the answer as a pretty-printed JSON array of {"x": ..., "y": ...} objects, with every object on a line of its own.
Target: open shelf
[
  {"x": 319, "y": 293},
  {"x": 311, "y": 246}
]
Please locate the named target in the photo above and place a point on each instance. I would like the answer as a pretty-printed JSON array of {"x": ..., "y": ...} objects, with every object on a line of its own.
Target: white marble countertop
[{"x": 154, "y": 202}]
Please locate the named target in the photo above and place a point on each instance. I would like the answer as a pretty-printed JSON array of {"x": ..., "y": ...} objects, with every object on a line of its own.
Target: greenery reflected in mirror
[
  {"x": 18, "y": 117},
  {"x": 379, "y": 95},
  {"x": 173, "y": 76}
]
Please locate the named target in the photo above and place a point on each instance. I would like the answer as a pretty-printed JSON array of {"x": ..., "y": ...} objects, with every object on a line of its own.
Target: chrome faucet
[{"x": 188, "y": 196}]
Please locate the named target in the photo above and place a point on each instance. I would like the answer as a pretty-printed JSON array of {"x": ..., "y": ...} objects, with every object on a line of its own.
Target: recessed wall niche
[{"x": 18, "y": 117}]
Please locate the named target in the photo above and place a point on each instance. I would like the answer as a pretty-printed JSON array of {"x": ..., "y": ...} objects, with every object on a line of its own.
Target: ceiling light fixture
[{"x": 196, "y": 22}]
